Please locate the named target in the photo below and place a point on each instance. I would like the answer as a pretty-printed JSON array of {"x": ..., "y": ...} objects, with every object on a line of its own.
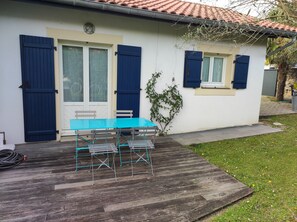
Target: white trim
[
  {"x": 210, "y": 83},
  {"x": 86, "y": 74},
  {"x": 109, "y": 81}
]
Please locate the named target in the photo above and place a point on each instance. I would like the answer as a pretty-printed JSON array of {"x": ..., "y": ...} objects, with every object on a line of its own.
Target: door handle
[{"x": 115, "y": 92}]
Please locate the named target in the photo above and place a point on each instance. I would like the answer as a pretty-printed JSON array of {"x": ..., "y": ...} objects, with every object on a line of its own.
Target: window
[
  {"x": 228, "y": 77},
  {"x": 213, "y": 71}
]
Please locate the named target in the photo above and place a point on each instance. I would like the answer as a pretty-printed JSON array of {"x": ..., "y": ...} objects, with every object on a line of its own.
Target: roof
[{"x": 184, "y": 12}]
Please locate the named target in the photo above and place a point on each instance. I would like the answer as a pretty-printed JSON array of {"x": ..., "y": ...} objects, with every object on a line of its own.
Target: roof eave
[{"x": 181, "y": 19}]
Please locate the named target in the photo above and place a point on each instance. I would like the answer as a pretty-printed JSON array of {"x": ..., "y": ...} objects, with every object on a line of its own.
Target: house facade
[{"x": 59, "y": 58}]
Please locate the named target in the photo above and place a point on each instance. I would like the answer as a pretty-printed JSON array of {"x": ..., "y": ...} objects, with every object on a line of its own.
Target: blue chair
[
  {"x": 141, "y": 146},
  {"x": 83, "y": 139},
  {"x": 101, "y": 150},
  {"x": 123, "y": 134}
]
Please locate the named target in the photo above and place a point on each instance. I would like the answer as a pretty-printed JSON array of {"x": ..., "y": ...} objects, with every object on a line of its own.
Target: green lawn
[{"x": 267, "y": 164}]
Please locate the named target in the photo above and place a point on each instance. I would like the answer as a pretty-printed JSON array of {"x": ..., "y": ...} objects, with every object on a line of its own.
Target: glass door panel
[
  {"x": 73, "y": 85},
  {"x": 98, "y": 75}
]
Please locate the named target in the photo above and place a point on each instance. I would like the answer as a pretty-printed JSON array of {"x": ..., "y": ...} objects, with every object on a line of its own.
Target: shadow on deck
[{"x": 185, "y": 187}]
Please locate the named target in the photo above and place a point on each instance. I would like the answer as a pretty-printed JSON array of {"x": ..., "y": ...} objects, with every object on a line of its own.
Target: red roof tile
[{"x": 199, "y": 11}]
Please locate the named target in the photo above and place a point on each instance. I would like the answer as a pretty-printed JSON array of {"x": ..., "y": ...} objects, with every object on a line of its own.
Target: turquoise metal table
[
  {"x": 113, "y": 123},
  {"x": 108, "y": 123}
]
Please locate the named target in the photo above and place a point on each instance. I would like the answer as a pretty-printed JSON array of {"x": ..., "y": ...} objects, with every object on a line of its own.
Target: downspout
[{"x": 293, "y": 40}]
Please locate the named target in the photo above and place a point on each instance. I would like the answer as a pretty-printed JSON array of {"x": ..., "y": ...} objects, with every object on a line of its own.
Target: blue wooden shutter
[
  {"x": 128, "y": 78},
  {"x": 38, "y": 85},
  {"x": 241, "y": 71},
  {"x": 192, "y": 69}
]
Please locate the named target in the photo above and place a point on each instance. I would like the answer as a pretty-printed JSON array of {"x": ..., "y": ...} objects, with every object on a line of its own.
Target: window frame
[
  {"x": 86, "y": 72},
  {"x": 210, "y": 83}
]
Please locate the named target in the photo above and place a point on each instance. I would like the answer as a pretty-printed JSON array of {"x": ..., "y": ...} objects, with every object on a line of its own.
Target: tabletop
[{"x": 110, "y": 123}]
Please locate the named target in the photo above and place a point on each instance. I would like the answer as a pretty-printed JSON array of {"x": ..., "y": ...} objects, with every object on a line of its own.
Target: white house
[{"x": 61, "y": 56}]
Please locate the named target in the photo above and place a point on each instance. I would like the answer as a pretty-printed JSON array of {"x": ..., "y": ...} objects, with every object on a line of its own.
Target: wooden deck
[{"x": 46, "y": 188}]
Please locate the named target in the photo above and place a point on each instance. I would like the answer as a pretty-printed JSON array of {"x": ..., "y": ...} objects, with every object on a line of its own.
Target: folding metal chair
[
  {"x": 123, "y": 134},
  {"x": 124, "y": 113},
  {"x": 83, "y": 138},
  {"x": 102, "y": 149},
  {"x": 141, "y": 147}
]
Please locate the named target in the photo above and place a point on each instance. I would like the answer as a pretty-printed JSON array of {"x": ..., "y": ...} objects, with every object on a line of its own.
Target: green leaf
[{"x": 169, "y": 101}]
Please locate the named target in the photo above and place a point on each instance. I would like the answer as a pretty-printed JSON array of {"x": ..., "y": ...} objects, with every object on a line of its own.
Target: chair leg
[
  {"x": 131, "y": 160},
  {"x": 118, "y": 144},
  {"x": 76, "y": 152},
  {"x": 114, "y": 167},
  {"x": 76, "y": 160},
  {"x": 120, "y": 154},
  {"x": 92, "y": 163},
  {"x": 146, "y": 157},
  {"x": 151, "y": 161}
]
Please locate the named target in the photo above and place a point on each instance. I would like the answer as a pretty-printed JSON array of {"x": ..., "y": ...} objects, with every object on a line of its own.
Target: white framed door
[{"x": 85, "y": 81}]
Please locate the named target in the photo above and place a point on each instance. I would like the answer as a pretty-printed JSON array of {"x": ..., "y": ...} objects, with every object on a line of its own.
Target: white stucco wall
[{"x": 159, "y": 53}]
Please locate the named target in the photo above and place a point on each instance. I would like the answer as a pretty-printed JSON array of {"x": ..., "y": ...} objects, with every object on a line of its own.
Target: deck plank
[{"x": 185, "y": 187}]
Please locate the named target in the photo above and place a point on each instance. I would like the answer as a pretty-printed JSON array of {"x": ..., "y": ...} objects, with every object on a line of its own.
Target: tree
[
  {"x": 285, "y": 58},
  {"x": 286, "y": 9}
]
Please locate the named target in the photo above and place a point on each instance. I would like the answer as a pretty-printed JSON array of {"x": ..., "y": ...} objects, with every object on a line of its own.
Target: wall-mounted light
[{"x": 89, "y": 28}]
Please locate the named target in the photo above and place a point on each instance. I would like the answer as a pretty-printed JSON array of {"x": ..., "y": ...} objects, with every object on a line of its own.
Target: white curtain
[
  {"x": 73, "y": 73},
  {"x": 98, "y": 75},
  {"x": 217, "y": 70},
  {"x": 205, "y": 70}
]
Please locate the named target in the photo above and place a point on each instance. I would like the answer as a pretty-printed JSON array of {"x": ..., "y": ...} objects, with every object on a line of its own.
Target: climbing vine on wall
[{"x": 165, "y": 105}]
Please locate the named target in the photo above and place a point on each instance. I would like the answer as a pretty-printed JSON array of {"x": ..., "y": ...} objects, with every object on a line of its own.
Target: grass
[{"x": 267, "y": 164}]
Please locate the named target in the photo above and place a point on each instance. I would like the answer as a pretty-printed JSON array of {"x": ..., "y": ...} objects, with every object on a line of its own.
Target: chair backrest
[
  {"x": 104, "y": 136},
  {"x": 124, "y": 113},
  {"x": 145, "y": 133},
  {"x": 88, "y": 114}
]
